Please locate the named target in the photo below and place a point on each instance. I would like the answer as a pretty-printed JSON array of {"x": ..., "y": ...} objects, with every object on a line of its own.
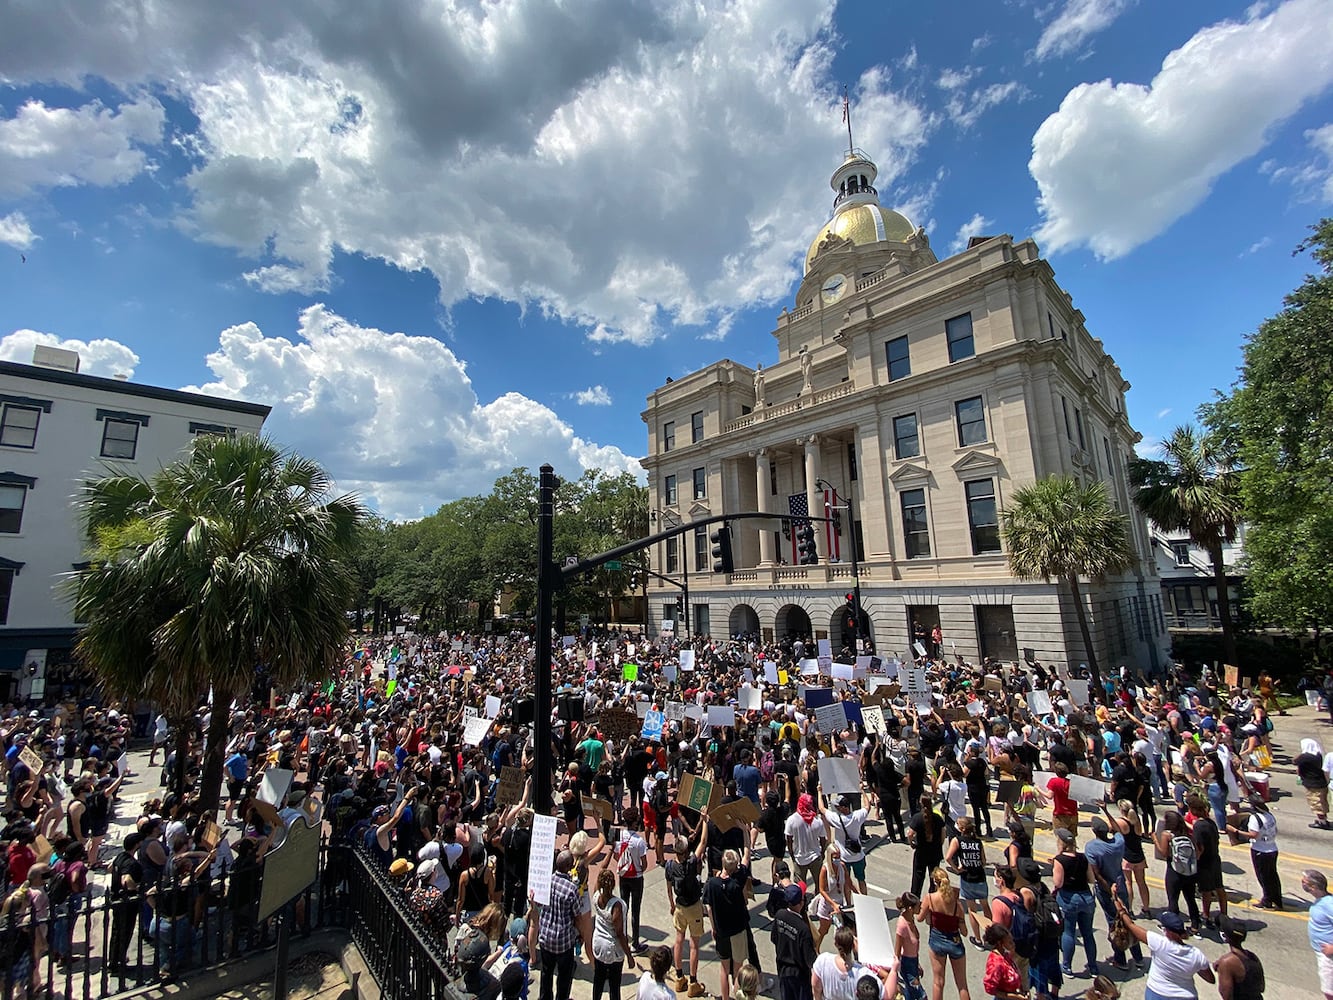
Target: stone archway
[
  {"x": 792, "y": 622},
  {"x": 743, "y": 620}
]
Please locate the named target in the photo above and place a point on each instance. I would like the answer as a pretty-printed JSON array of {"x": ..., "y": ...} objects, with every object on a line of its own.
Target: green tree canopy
[
  {"x": 1193, "y": 487},
  {"x": 232, "y": 557},
  {"x": 1279, "y": 420},
  {"x": 1058, "y": 529}
]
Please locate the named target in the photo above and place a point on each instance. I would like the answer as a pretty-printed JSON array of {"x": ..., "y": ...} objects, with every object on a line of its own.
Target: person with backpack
[
  {"x": 1012, "y": 909},
  {"x": 1044, "y": 966},
  {"x": 661, "y": 802},
  {"x": 631, "y": 857},
  {"x": 23, "y": 919},
  {"x": 1176, "y": 846},
  {"x": 685, "y": 888},
  {"x": 67, "y": 891}
]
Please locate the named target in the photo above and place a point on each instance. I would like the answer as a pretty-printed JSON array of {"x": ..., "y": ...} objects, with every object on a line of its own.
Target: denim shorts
[
  {"x": 948, "y": 945},
  {"x": 973, "y": 890}
]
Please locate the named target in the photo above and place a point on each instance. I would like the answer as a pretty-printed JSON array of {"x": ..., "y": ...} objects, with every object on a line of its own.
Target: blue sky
[{"x": 443, "y": 240}]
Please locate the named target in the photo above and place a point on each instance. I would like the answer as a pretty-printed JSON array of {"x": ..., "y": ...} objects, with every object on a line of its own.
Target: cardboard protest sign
[
  {"x": 830, "y": 718},
  {"x": 951, "y": 714},
  {"x": 1039, "y": 703},
  {"x": 675, "y": 711},
  {"x": 721, "y": 716},
  {"x": 541, "y": 858},
  {"x": 687, "y": 659},
  {"x": 696, "y": 793},
  {"x": 510, "y": 790},
  {"x": 598, "y": 807},
  {"x": 751, "y": 699},
  {"x": 992, "y": 683},
  {"x": 617, "y": 724},
  {"x": 32, "y": 758},
  {"x": 872, "y": 717},
  {"x": 475, "y": 731},
  {"x": 1231, "y": 675},
  {"x": 874, "y": 942},
  {"x": 211, "y": 836},
  {"x": 652, "y": 725},
  {"x": 839, "y": 775},
  {"x": 733, "y": 814}
]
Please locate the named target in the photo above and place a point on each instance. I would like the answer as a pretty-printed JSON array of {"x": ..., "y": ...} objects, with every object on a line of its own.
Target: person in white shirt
[
  {"x": 807, "y": 834},
  {"x": 1174, "y": 963},
  {"x": 1261, "y": 831},
  {"x": 848, "y": 827}
]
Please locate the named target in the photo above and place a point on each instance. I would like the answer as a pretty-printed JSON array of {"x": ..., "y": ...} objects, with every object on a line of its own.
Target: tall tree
[
  {"x": 1279, "y": 417},
  {"x": 231, "y": 558},
  {"x": 1194, "y": 487},
  {"x": 1058, "y": 529}
]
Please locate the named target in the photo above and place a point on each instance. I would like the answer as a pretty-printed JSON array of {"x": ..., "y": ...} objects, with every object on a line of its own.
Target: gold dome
[{"x": 863, "y": 225}]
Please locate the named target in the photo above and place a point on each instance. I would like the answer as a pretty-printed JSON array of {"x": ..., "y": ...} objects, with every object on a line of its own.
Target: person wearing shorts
[
  {"x": 1320, "y": 927},
  {"x": 848, "y": 827},
  {"x": 685, "y": 897}
]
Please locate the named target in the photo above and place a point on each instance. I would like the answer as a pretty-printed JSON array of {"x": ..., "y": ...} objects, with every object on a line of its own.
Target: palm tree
[
  {"x": 1193, "y": 488},
  {"x": 1058, "y": 529},
  {"x": 230, "y": 559}
]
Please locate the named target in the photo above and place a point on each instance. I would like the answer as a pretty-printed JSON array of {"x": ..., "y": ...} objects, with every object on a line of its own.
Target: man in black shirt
[
  {"x": 794, "y": 947},
  {"x": 685, "y": 897},
  {"x": 916, "y": 780},
  {"x": 784, "y": 777},
  {"x": 1061, "y": 753},
  {"x": 729, "y": 912}
]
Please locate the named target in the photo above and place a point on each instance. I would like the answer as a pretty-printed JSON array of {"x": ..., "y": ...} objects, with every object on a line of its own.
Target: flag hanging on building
[
  {"x": 832, "y": 541},
  {"x": 798, "y": 507}
]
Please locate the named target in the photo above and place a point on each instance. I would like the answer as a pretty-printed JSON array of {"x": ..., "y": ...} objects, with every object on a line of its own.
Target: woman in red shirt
[
  {"x": 21, "y": 856},
  {"x": 1001, "y": 979}
]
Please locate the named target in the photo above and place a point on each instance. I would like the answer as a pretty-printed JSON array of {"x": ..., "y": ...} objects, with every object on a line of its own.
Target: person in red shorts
[{"x": 1064, "y": 810}]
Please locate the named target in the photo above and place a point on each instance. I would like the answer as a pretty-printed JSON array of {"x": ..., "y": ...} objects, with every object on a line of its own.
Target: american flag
[
  {"x": 797, "y": 507},
  {"x": 845, "y": 106}
]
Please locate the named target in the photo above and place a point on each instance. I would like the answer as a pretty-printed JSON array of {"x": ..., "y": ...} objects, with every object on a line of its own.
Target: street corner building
[{"x": 909, "y": 398}]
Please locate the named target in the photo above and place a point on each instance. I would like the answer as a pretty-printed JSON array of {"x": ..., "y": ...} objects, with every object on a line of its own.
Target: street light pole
[
  {"x": 548, "y": 578},
  {"x": 856, "y": 566}
]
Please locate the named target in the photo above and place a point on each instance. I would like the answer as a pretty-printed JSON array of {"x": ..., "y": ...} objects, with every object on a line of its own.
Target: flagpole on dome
[{"x": 847, "y": 120}]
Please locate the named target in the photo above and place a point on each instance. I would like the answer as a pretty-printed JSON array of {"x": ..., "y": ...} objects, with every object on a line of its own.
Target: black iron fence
[{"x": 94, "y": 945}]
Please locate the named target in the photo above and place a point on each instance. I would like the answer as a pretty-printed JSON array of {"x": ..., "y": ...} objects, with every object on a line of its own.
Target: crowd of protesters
[{"x": 419, "y": 758}]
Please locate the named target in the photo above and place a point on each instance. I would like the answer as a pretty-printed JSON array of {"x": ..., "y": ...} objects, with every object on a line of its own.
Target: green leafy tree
[
  {"x": 1279, "y": 419},
  {"x": 233, "y": 557},
  {"x": 1193, "y": 487},
  {"x": 1058, "y": 529}
]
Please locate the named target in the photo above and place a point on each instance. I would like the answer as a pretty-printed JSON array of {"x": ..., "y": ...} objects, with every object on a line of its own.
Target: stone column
[
  {"x": 761, "y": 482},
  {"x": 814, "y": 496}
]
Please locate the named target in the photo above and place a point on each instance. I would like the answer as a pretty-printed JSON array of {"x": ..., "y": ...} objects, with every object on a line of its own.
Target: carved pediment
[
  {"x": 976, "y": 461},
  {"x": 909, "y": 472},
  {"x": 699, "y": 509},
  {"x": 670, "y": 518}
]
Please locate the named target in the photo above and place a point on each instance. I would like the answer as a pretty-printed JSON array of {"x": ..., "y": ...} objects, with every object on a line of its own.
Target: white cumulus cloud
[
  {"x": 594, "y": 395},
  {"x": 15, "y": 231},
  {"x": 578, "y": 158},
  {"x": 104, "y": 357},
  {"x": 1077, "y": 21},
  {"x": 393, "y": 416},
  {"x": 978, "y": 225},
  {"x": 45, "y": 147},
  {"x": 1119, "y": 163}
]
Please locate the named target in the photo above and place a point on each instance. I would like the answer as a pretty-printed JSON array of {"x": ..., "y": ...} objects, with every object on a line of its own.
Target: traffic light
[
  {"x": 851, "y": 610},
  {"x": 721, "y": 539},
  {"x": 806, "y": 553}
]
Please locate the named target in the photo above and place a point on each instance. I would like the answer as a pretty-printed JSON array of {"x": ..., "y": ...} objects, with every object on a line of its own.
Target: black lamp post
[{"x": 856, "y": 566}]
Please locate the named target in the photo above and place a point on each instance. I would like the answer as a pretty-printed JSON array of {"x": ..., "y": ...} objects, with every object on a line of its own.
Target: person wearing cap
[
  {"x": 1320, "y": 927},
  {"x": 793, "y": 946},
  {"x": 1240, "y": 974},
  {"x": 848, "y": 828},
  {"x": 1174, "y": 963},
  {"x": 1261, "y": 832},
  {"x": 1106, "y": 859}
]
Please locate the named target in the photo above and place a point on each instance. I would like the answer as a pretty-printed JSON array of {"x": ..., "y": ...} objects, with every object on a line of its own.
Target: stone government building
[{"x": 926, "y": 391}]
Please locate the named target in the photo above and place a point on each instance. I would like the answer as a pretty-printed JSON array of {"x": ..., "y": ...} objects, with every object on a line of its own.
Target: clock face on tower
[{"x": 834, "y": 288}]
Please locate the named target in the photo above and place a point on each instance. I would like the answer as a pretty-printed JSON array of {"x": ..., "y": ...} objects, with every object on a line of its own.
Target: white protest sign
[
  {"x": 469, "y": 713},
  {"x": 629, "y": 650},
  {"x": 891, "y": 668},
  {"x": 923, "y": 705},
  {"x": 492, "y": 706},
  {"x": 1078, "y": 691},
  {"x": 915, "y": 684},
  {"x": 809, "y": 668},
  {"x": 975, "y": 708},
  {"x": 863, "y": 662},
  {"x": 1041, "y": 778},
  {"x": 721, "y": 715},
  {"x": 475, "y": 731},
  {"x": 825, "y": 664},
  {"x": 920, "y": 649},
  {"x": 687, "y": 659},
  {"x": 541, "y": 859},
  {"x": 1039, "y": 703},
  {"x": 641, "y": 709},
  {"x": 838, "y": 775},
  {"x": 826, "y": 648},
  {"x": 872, "y": 717},
  {"x": 1086, "y": 790},
  {"x": 843, "y": 671},
  {"x": 831, "y": 718},
  {"x": 669, "y": 672},
  {"x": 770, "y": 672},
  {"x": 675, "y": 711},
  {"x": 874, "y": 943},
  {"x": 695, "y": 712},
  {"x": 751, "y": 699},
  {"x": 274, "y": 786}
]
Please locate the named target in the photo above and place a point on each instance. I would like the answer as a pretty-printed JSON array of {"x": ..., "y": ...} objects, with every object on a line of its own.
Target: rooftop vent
[{"x": 55, "y": 357}]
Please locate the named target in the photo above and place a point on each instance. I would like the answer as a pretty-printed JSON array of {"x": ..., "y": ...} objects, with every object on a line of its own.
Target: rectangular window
[
  {"x": 668, "y": 435},
  {"x": 669, "y": 491},
  {"x": 701, "y": 561},
  {"x": 971, "y": 421},
  {"x": 958, "y": 332},
  {"x": 12, "y": 499},
  {"x": 6, "y": 589},
  {"x": 772, "y": 478},
  {"x": 700, "y": 484},
  {"x": 916, "y": 532},
  {"x": 1078, "y": 426},
  {"x": 1181, "y": 552},
  {"x": 1050, "y": 324},
  {"x": 906, "y": 440},
  {"x": 1069, "y": 428},
  {"x": 851, "y": 460},
  {"x": 1110, "y": 466},
  {"x": 697, "y": 427},
  {"x": 982, "y": 516},
  {"x": 672, "y": 556},
  {"x": 701, "y": 625},
  {"x": 18, "y": 426},
  {"x": 900, "y": 361},
  {"x": 119, "y": 438}
]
